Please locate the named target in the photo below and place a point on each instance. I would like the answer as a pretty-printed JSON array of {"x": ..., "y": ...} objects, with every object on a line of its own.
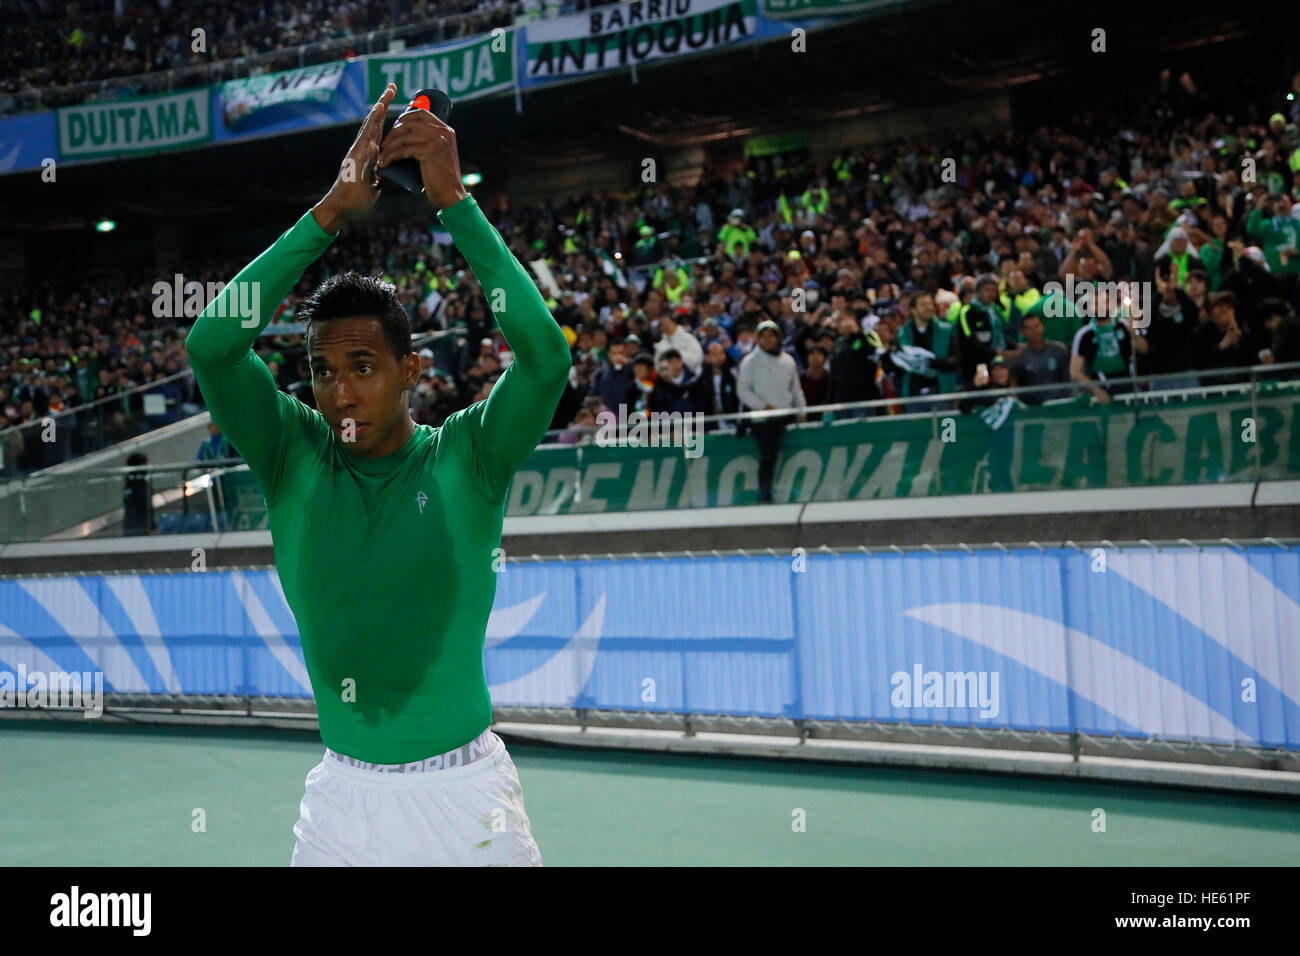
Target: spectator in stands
[
  {"x": 1196, "y": 291},
  {"x": 1171, "y": 331},
  {"x": 1103, "y": 351},
  {"x": 1017, "y": 298},
  {"x": 853, "y": 367},
  {"x": 715, "y": 389},
  {"x": 434, "y": 397},
  {"x": 1222, "y": 342},
  {"x": 997, "y": 377},
  {"x": 614, "y": 381},
  {"x": 769, "y": 379},
  {"x": 735, "y": 236},
  {"x": 1284, "y": 336},
  {"x": 745, "y": 343},
  {"x": 1086, "y": 258},
  {"x": 923, "y": 330},
  {"x": 712, "y": 333},
  {"x": 215, "y": 447},
  {"x": 1278, "y": 237},
  {"x": 1212, "y": 250},
  {"x": 137, "y": 498},
  {"x": 815, "y": 381},
  {"x": 1041, "y": 362},
  {"x": 674, "y": 336},
  {"x": 1127, "y": 254},
  {"x": 1252, "y": 281},
  {"x": 982, "y": 329},
  {"x": 644, "y": 376},
  {"x": 1178, "y": 256},
  {"x": 673, "y": 385},
  {"x": 582, "y": 431}
]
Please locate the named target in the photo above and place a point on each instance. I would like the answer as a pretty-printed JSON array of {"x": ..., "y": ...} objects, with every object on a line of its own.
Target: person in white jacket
[
  {"x": 676, "y": 336},
  {"x": 769, "y": 379}
]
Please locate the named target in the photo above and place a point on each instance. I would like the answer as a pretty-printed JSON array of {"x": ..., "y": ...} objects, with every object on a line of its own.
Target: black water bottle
[{"x": 406, "y": 172}]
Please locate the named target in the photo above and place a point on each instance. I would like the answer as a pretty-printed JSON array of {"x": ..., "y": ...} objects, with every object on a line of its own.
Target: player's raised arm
[
  {"x": 507, "y": 427},
  {"x": 236, "y": 384}
]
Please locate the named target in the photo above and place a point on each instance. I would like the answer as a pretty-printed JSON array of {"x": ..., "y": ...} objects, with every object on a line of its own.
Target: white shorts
[{"x": 470, "y": 815}]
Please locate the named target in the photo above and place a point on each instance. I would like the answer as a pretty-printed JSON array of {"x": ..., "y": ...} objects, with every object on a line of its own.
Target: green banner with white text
[
  {"x": 1066, "y": 446},
  {"x": 478, "y": 67},
  {"x": 145, "y": 124}
]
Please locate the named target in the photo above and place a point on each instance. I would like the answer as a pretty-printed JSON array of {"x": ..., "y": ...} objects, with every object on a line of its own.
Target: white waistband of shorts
[{"x": 455, "y": 759}]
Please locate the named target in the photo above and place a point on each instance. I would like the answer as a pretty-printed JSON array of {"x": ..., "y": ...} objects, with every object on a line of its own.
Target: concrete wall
[{"x": 174, "y": 552}]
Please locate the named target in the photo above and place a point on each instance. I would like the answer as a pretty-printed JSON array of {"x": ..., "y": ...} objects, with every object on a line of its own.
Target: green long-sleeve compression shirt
[{"x": 386, "y": 563}]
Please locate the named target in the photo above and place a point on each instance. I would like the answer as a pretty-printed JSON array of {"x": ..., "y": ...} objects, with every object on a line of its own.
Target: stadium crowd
[
  {"x": 894, "y": 271},
  {"x": 51, "y": 45}
]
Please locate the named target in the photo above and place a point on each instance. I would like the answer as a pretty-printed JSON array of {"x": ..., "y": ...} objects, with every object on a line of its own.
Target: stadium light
[
  {"x": 472, "y": 179},
  {"x": 105, "y": 225}
]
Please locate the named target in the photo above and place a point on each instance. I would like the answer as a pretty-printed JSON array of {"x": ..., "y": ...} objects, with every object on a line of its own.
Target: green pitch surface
[{"x": 99, "y": 795}]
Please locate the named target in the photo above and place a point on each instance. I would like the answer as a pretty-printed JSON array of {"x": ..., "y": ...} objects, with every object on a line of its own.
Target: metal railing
[
  {"x": 1127, "y": 391},
  {"x": 62, "y": 436},
  {"x": 169, "y": 498},
  {"x": 62, "y": 505}
]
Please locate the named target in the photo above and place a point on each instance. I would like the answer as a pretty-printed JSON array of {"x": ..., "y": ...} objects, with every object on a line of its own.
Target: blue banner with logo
[
  {"x": 548, "y": 51},
  {"x": 1181, "y": 643}
]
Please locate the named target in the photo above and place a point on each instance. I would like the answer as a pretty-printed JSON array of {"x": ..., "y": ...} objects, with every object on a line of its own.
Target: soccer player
[{"x": 384, "y": 530}]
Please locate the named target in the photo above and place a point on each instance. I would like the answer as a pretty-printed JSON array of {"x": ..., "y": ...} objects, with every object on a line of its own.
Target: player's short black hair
[{"x": 351, "y": 295}]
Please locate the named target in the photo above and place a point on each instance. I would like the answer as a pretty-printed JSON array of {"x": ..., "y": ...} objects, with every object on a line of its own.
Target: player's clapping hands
[
  {"x": 357, "y": 187},
  {"x": 421, "y": 136}
]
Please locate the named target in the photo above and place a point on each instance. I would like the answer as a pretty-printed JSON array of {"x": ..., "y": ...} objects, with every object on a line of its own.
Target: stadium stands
[
  {"x": 813, "y": 244},
  {"x": 61, "y": 54}
]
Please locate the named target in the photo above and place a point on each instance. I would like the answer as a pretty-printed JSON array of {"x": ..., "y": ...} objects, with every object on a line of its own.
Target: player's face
[{"x": 361, "y": 387}]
